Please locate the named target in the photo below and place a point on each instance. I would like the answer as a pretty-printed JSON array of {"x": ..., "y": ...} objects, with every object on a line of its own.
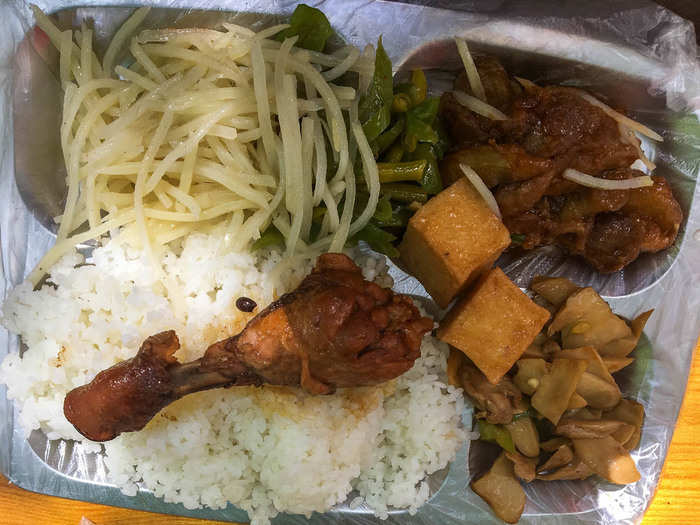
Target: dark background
[{"x": 689, "y": 9}]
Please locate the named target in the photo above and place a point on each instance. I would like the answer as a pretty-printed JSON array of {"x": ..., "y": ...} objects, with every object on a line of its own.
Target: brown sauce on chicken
[
  {"x": 335, "y": 330},
  {"x": 548, "y": 130}
]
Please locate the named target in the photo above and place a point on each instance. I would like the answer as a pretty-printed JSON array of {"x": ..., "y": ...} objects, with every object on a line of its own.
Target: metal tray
[{"x": 543, "y": 49}]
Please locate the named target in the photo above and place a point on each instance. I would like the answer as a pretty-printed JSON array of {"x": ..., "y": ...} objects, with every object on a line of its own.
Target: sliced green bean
[
  {"x": 404, "y": 192},
  {"x": 418, "y": 79},
  {"x": 386, "y": 139},
  {"x": 395, "y": 153},
  {"x": 401, "y": 171},
  {"x": 431, "y": 180}
]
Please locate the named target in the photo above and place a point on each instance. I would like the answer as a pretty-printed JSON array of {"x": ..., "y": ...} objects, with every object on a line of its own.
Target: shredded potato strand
[{"x": 208, "y": 126}]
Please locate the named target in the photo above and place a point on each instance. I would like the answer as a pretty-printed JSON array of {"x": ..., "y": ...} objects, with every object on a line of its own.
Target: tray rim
[{"x": 24, "y": 479}]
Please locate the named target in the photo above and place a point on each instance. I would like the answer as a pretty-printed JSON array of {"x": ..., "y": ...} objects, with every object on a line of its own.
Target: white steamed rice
[{"x": 266, "y": 450}]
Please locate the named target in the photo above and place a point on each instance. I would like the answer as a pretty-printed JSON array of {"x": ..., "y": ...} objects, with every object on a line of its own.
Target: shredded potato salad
[{"x": 206, "y": 126}]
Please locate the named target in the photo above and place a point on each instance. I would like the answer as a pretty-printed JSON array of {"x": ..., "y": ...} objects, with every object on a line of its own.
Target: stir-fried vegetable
[
  {"x": 501, "y": 490},
  {"x": 375, "y": 105},
  {"x": 400, "y": 121},
  {"x": 401, "y": 171},
  {"x": 496, "y": 434},
  {"x": 310, "y": 25},
  {"x": 559, "y": 415}
]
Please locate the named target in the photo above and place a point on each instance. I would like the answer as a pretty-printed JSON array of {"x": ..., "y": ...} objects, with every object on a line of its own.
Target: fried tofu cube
[
  {"x": 451, "y": 240},
  {"x": 493, "y": 324}
]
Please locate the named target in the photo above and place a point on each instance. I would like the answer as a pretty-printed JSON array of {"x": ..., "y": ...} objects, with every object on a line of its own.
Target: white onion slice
[
  {"x": 469, "y": 66},
  {"x": 481, "y": 188},
  {"x": 606, "y": 184},
  {"x": 479, "y": 106},
  {"x": 628, "y": 136},
  {"x": 638, "y": 165}
]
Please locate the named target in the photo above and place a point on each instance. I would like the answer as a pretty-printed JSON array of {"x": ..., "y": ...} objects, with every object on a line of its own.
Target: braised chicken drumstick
[{"x": 335, "y": 330}]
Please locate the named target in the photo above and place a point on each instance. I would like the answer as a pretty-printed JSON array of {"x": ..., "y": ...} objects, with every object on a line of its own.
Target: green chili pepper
[
  {"x": 398, "y": 218},
  {"x": 311, "y": 25},
  {"x": 409, "y": 89},
  {"x": 418, "y": 79},
  {"x": 383, "y": 212},
  {"x": 375, "y": 106},
  {"x": 431, "y": 180},
  {"x": 401, "y": 171},
  {"x": 270, "y": 237},
  {"x": 419, "y": 122},
  {"x": 401, "y": 103},
  {"x": 386, "y": 139},
  {"x": 495, "y": 434},
  {"x": 378, "y": 239},
  {"x": 404, "y": 192}
]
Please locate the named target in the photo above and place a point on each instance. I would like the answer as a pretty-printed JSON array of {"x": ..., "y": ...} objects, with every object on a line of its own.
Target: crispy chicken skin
[{"x": 335, "y": 330}]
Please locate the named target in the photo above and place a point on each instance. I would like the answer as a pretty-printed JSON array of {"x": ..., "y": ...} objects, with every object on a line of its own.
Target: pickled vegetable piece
[
  {"x": 525, "y": 436},
  {"x": 586, "y": 428},
  {"x": 595, "y": 363},
  {"x": 555, "y": 389},
  {"x": 630, "y": 412},
  {"x": 553, "y": 444},
  {"x": 577, "y": 469},
  {"x": 530, "y": 372},
  {"x": 524, "y": 467},
  {"x": 615, "y": 364},
  {"x": 493, "y": 325},
  {"x": 576, "y": 401},
  {"x": 597, "y": 392},
  {"x": 622, "y": 347},
  {"x": 586, "y": 319},
  {"x": 607, "y": 458},
  {"x": 501, "y": 490},
  {"x": 624, "y": 434},
  {"x": 563, "y": 456},
  {"x": 555, "y": 289},
  {"x": 451, "y": 240}
]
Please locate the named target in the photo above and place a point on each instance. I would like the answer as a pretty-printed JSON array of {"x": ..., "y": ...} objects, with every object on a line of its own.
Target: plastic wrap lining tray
[{"x": 630, "y": 53}]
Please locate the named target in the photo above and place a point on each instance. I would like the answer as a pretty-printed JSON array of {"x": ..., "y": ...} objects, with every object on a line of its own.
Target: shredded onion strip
[
  {"x": 469, "y": 66},
  {"x": 208, "y": 126},
  {"x": 606, "y": 184},
  {"x": 479, "y": 107},
  {"x": 622, "y": 119},
  {"x": 481, "y": 188}
]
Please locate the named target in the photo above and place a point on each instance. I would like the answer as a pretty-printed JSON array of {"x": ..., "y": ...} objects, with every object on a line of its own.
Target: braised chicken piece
[
  {"x": 335, "y": 330},
  {"x": 522, "y": 158}
]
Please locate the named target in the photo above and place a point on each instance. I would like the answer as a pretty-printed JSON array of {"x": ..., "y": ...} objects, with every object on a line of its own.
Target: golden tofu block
[
  {"x": 493, "y": 324},
  {"x": 451, "y": 240}
]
